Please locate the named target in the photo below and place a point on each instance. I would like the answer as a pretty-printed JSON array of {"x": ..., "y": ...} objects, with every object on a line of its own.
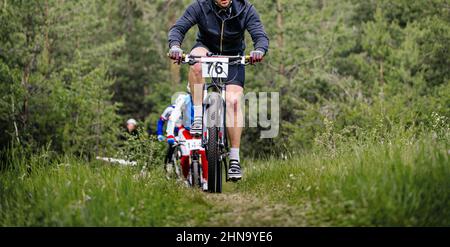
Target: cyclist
[
  {"x": 221, "y": 25},
  {"x": 181, "y": 117},
  {"x": 162, "y": 120},
  {"x": 160, "y": 125}
]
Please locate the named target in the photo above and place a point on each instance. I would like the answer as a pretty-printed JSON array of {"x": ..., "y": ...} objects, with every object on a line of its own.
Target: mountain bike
[
  {"x": 214, "y": 138},
  {"x": 195, "y": 167}
]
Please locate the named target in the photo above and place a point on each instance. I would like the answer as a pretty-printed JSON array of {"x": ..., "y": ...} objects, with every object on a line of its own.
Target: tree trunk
[
  {"x": 47, "y": 50},
  {"x": 25, "y": 76},
  {"x": 28, "y": 66},
  {"x": 280, "y": 35},
  {"x": 381, "y": 72},
  {"x": 320, "y": 4},
  {"x": 13, "y": 114}
]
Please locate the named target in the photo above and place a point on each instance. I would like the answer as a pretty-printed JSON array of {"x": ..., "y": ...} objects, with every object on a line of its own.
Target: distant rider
[
  {"x": 182, "y": 115},
  {"x": 163, "y": 119},
  {"x": 131, "y": 129}
]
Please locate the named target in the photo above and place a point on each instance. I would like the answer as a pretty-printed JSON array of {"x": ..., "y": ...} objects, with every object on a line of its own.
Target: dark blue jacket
[{"x": 221, "y": 34}]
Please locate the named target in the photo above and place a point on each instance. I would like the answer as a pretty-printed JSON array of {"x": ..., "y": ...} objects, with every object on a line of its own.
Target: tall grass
[
  {"x": 396, "y": 183},
  {"x": 69, "y": 192}
]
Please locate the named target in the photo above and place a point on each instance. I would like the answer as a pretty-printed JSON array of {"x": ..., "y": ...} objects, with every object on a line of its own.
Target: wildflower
[{"x": 87, "y": 198}]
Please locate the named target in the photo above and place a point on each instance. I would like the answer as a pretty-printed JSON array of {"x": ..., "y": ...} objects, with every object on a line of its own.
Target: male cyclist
[
  {"x": 221, "y": 27},
  {"x": 181, "y": 117}
]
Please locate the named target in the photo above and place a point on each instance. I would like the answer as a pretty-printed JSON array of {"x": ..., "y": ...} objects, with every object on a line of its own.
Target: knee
[
  {"x": 233, "y": 100},
  {"x": 196, "y": 69}
]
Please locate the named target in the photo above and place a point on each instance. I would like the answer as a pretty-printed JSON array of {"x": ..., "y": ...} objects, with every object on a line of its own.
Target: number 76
[{"x": 218, "y": 69}]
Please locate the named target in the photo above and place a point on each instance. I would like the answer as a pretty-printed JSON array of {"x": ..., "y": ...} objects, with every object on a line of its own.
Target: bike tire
[
  {"x": 176, "y": 163},
  {"x": 214, "y": 165},
  {"x": 195, "y": 173},
  {"x": 214, "y": 113}
]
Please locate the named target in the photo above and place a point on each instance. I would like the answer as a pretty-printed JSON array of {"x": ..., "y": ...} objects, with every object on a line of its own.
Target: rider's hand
[
  {"x": 161, "y": 138},
  {"x": 171, "y": 139},
  {"x": 176, "y": 53},
  {"x": 256, "y": 56}
]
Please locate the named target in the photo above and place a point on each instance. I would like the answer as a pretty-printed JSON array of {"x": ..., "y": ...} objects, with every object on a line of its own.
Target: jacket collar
[{"x": 237, "y": 7}]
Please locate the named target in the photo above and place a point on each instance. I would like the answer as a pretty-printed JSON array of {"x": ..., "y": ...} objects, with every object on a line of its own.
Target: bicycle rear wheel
[{"x": 176, "y": 157}]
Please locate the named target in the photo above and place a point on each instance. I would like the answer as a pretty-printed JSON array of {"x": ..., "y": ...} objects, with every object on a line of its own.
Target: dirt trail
[{"x": 242, "y": 209}]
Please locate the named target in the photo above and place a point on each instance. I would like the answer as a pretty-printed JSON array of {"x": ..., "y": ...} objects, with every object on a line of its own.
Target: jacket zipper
[{"x": 221, "y": 37}]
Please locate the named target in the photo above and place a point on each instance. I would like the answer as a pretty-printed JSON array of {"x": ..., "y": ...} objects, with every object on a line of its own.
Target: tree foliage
[{"x": 72, "y": 71}]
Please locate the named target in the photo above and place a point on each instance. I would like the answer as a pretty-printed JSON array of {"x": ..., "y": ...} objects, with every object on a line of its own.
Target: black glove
[
  {"x": 256, "y": 56},
  {"x": 176, "y": 53}
]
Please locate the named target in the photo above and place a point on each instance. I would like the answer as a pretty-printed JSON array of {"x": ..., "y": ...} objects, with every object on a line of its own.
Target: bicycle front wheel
[
  {"x": 214, "y": 165},
  {"x": 195, "y": 174},
  {"x": 215, "y": 121}
]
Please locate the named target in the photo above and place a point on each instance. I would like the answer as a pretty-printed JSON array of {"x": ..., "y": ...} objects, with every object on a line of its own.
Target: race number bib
[
  {"x": 213, "y": 67},
  {"x": 194, "y": 144}
]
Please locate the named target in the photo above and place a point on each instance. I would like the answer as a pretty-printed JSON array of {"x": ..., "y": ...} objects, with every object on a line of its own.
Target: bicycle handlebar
[{"x": 192, "y": 59}]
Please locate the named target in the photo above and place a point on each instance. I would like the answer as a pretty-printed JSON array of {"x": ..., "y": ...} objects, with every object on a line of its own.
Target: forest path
[{"x": 244, "y": 209}]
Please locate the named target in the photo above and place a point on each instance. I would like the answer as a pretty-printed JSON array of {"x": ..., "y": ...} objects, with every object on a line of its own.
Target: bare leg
[
  {"x": 234, "y": 127},
  {"x": 235, "y": 120},
  {"x": 196, "y": 80}
]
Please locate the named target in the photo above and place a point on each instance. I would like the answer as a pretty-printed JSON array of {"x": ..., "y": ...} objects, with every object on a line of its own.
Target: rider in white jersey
[
  {"x": 181, "y": 114},
  {"x": 181, "y": 117}
]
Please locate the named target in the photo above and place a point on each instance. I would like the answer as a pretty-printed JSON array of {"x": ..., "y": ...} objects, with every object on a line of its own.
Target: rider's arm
[
  {"x": 256, "y": 30},
  {"x": 183, "y": 24},
  {"x": 162, "y": 119},
  {"x": 175, "y": 116},
  {"x": 159, "y": 131}
]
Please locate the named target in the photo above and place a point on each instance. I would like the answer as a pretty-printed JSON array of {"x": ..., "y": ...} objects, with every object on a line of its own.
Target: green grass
[
  {"x": 394, "y": 184},
  {"x": 75, "y": 194}
]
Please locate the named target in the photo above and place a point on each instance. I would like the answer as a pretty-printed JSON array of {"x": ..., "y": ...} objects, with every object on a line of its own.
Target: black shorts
[{"x": 236, "y": 73}]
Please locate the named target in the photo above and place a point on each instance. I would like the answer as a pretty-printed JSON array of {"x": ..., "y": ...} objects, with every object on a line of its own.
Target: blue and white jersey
[
  {"x": 182, "y": 114},
  {"x": 167, "y": 112},
  {"x": 164, "y": 118}
]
